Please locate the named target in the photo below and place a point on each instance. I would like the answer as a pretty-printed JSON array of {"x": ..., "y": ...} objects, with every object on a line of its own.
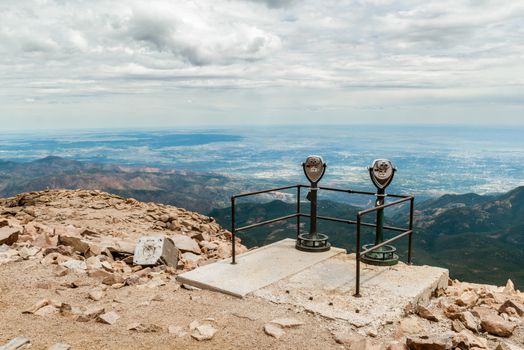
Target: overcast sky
[{"x": 155, "y": 63}]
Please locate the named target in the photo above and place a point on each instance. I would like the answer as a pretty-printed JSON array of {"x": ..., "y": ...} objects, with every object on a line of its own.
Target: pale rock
[
  {"x": 410, "y": 325},
  {"x": 144, "y": 328},
  {"x": 11, "y": 255},
  {"x": 38, "y": 305},
  {"x": 113, "y": 279},
  {"x": 457, "y": 326},
  {"x": 158, "y": 298},
  {"x": 176, "y": 330},
  {"x": 91, "y": 314},
  {"x": 109, "y": 317},
  {"x": 198, "y": 236},
  {"x": 60, "y": 346},
  {"x": 74, "y": 264},
  {"x": 60, "y": 271},
  {"x": 54, "y": 258},
  {"x": 287, "y": 322},
  {"x": 426, "y": 313},
  {"x": 99, "y": 274},
  {"x": 75, "y": 242},
  {"x": 16, "y": 344},
  {"x": 96, "y": 294},
  {"x": 518, "y": 307},
  {"x": 496, "y": 325},
  {"x": 69, "y": 311},
  {"x": 47, "y": 310},
  {"x": 193, "y": 325},
  {"x": 8, "y": 235},
  {"x": 192, "y": 258},
  {"x": 355, "y": 341},
  {"x": 394, "y": 345},
  {"x": 93, "y": 263},
  {"x": 508, "y": 289},
  {"x": 210, "y": 246},
  {"x": 186, "y": 244},
  {"x": 224, "y": 250},
  {"x": 273, "y": 330},
  {"x": 470, "y": 321},
  {"x": 107, "y": 266},
  {"x": 427, "y": 343},
  {"x": 204, "y": 332},
  {"x": 466, "y": 340},
  {"x": 28, "y": 252},
  {"x": 467, "y": 299},
  {"x": 482, "y": 311},
  {"x": 189, "y": 287}
]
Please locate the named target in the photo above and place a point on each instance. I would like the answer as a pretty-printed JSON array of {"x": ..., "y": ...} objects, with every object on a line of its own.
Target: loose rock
[
  {"x": 108, "y": 318},
  {"x": 204, "y": 332},
  {"x": 426, "y": 344},
  {"x": 287, "y": 322},
  {"x": 144, "y": 328},
  {"x": 273, "y": 330},
  {"x": 16, "y": 343},
  {"x": 496, "y": 325}
]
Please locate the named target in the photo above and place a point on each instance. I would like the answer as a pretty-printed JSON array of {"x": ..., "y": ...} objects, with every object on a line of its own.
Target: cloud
[
  {"x": 264, "y": 57},
  {"x": 199, "y": 34},
  {"x": 275, "y": 3}
]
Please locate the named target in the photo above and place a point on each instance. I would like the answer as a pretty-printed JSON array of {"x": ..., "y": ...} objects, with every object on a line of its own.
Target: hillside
[{"x": 194, "y": 191}]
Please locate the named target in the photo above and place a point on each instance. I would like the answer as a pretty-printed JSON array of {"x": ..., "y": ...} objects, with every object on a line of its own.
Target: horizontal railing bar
[
  {"x": 362, "y": 192},
  {"x": 265, "y": 222},
  {"x": 391, "y": 240},
  {"x": 367, "y": 211},
  {"x": 353, "y": 222},
  {"x": 328, "y": 218},
  {"x": 347, "y": 191},
  {"x": 264, "y": 191}
]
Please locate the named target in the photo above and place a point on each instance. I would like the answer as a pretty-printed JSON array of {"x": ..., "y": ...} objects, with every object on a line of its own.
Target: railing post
[
  {"x": 411, "y": 213},
  {"x": 298, "y": 210},
  {"x": 357, "y": 287},
  {"x": 233, "y": 253}
]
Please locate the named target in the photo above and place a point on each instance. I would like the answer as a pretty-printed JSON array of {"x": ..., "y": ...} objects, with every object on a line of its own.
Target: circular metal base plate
[
  {"x": 384, "y": 256},
  {"x": 315, "y": 245}
]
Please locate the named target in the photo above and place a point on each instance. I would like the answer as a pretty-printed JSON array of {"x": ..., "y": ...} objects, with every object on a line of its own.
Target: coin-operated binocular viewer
[
  {"x": 381, "y": 172},
  {"x": 314, "y": 169}
]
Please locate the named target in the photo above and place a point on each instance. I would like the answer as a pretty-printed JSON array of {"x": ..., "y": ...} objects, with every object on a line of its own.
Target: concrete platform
[
  {"x": 255, "y": 269},
  {"x": 323, "y": 283},
  {"x": 327, "y": 288}
]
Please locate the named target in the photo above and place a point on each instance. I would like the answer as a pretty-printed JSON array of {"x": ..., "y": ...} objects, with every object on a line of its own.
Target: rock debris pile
[{"x": 97, "y": 232}]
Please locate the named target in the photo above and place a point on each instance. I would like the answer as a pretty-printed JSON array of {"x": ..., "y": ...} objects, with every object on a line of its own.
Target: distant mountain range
[
  {"x": 479, "y": 238},
  {"x": 195, "y": 191}
]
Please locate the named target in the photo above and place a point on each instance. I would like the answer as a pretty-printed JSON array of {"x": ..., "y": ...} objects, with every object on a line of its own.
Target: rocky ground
[{"x": 67, "y": 280}]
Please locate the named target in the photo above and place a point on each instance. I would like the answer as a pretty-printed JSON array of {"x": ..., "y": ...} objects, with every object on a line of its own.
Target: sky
[{"x": 160, "y": 63}]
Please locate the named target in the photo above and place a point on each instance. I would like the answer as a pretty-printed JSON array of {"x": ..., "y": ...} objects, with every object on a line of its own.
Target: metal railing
[{"x": 358, "y": 222}]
